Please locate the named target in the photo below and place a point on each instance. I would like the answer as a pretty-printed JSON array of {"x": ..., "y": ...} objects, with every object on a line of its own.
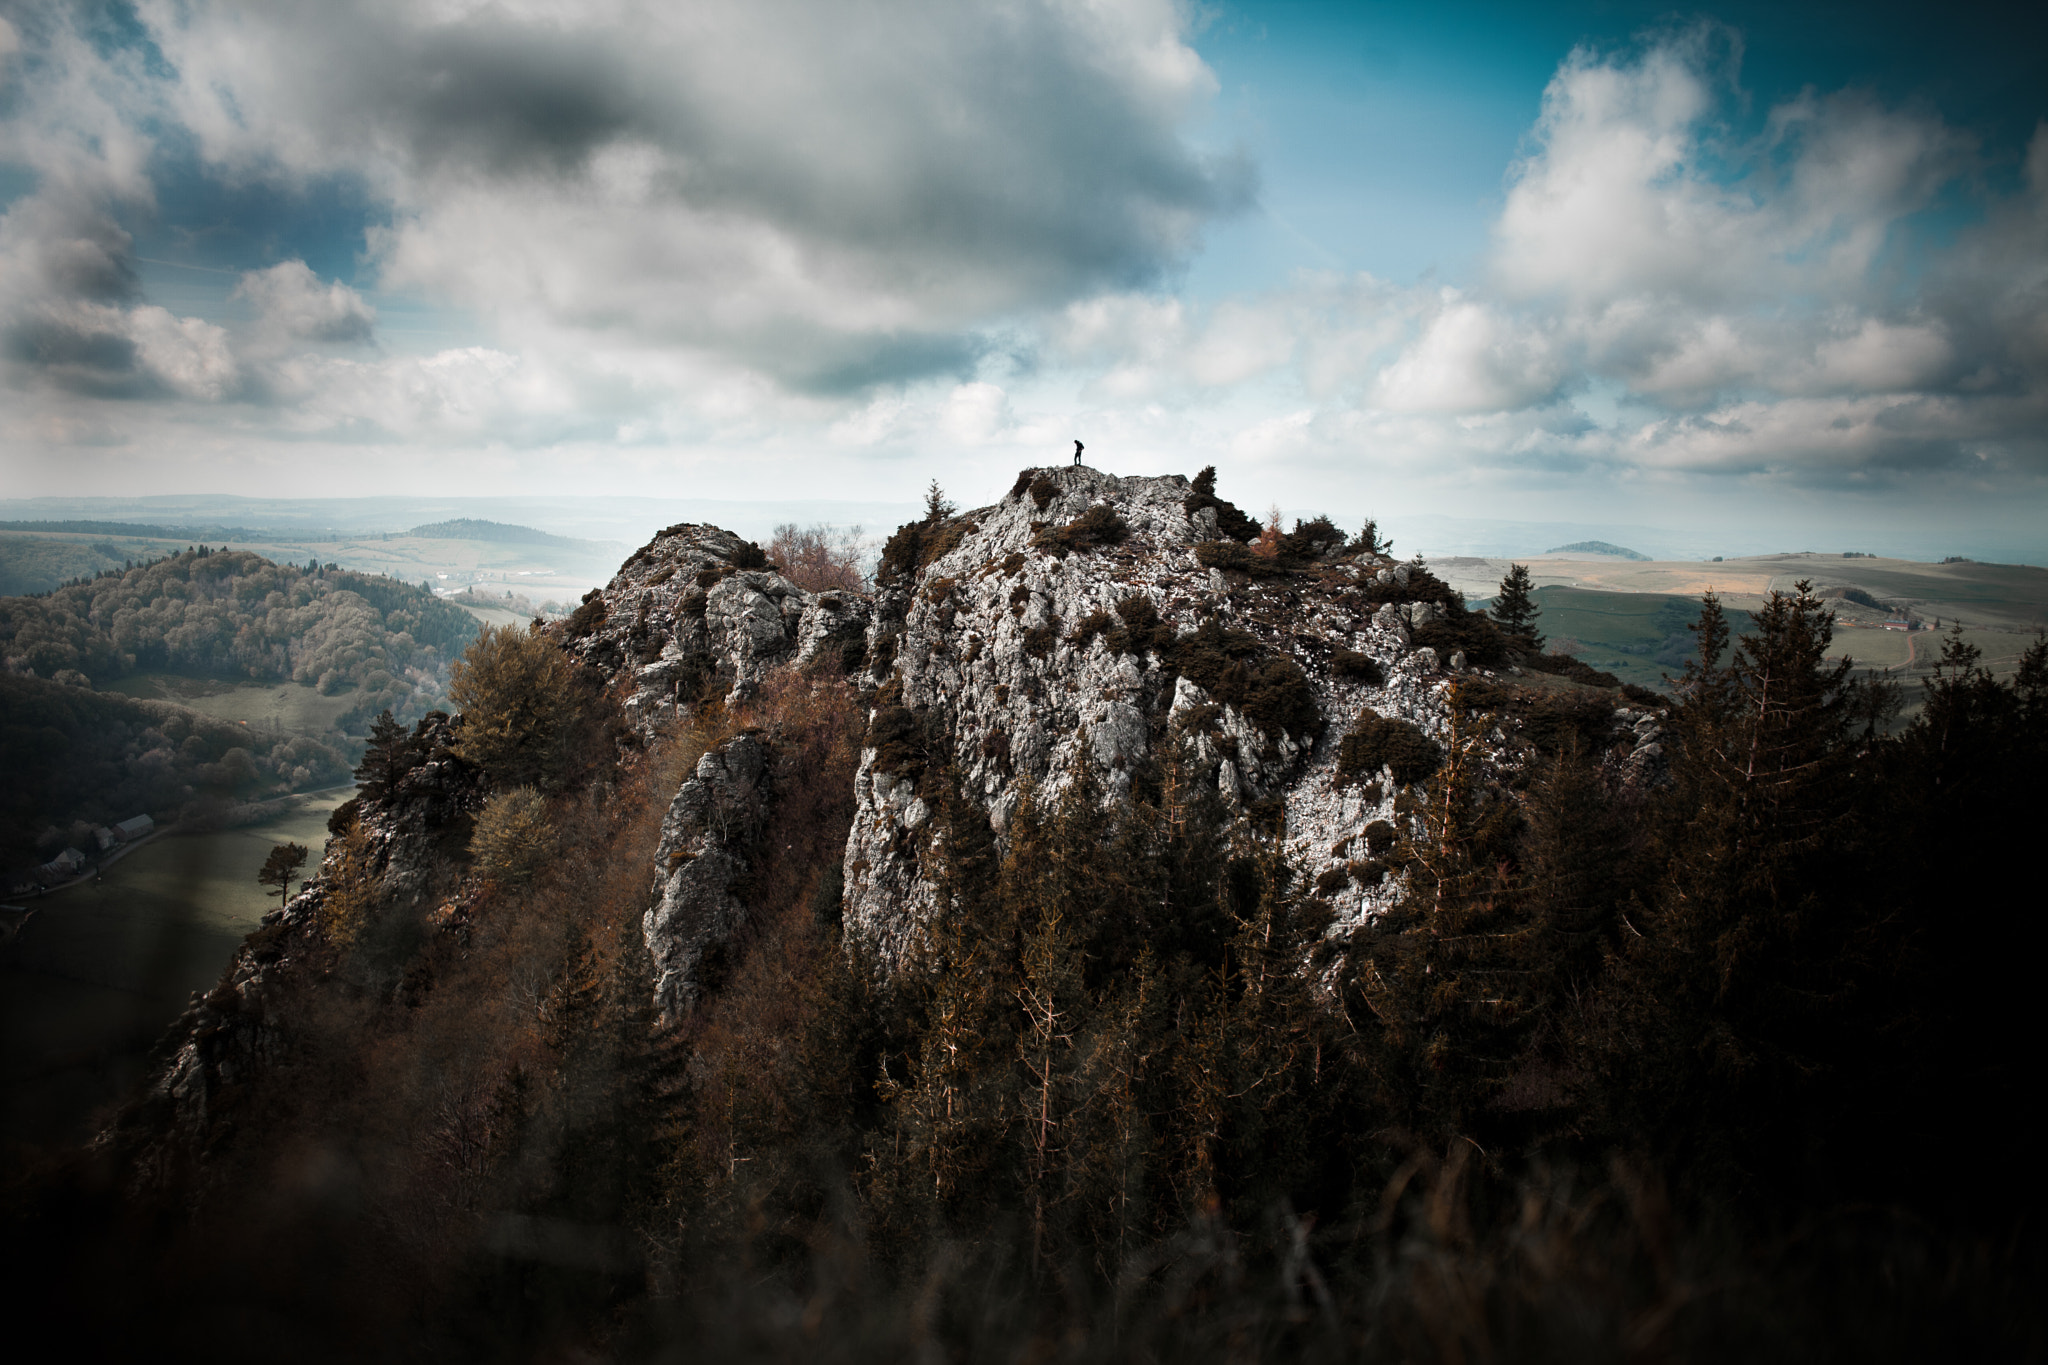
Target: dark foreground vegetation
[
  {"x": 1733, "y": 1066},
  {"x": 74, "y": 758}
]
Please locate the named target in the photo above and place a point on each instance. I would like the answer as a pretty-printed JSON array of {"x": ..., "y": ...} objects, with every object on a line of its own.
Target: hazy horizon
[
  {"x": 1743, "y": 280},
  {"x": 631, "y": 522}
]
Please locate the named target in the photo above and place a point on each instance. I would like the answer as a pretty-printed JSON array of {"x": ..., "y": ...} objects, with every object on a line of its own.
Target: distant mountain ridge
[
  {"x": 150, "y": 530},
  {"x": 1598, "y": 547},
  {"x": 473, "y": 528}
]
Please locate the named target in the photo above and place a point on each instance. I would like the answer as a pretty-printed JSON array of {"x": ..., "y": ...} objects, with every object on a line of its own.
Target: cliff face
[
  {"x": 696, "y": 613},
  {"x": 392, "y": 851},
  {"x": 1020, "y": 659},
  {"x": 1085, "y": 622},
  {"x": 1073, "y": 624}
]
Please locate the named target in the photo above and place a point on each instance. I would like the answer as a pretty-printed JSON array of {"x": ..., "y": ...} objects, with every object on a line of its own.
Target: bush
[
  {"x": 917, "y": 544},
  {"x": 516, "y": 691},
  {"x": 1311, "y": 540},
  {"x": 1230, "y": 520},
  {"x": 1232, "y": 557},
  {"x": 1096, "y": 528},
  {"x": 1088, "y": 627},
  {"x": 1480, "y": 640},
  {"x": 514, "y": 836},
  {"x": 1234, "y": 668},
  {"x": 1142, "y": 632},
  {"x": 588, "y": 617},
  {"x": 1349, "y": 663},
  {"x": 898, "y": 741},
  {"x": 1377, "y": 742},
  {"x": 816, "y": 558},
  {"x": 1565, "y": 666}
]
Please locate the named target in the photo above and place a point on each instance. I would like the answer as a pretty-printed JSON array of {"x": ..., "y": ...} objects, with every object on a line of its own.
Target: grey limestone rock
[
  {"x": 707, "y": 843},
  {"x": 684, "y": 620},
  {"x": 986, "y": 648}
]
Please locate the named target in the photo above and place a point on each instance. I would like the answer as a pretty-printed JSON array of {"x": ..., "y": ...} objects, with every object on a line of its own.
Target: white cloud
[
  {"x": 827, "y": 194},
  {"x": 293, "y": 305},
  {"x": 1471, "y": 358}
]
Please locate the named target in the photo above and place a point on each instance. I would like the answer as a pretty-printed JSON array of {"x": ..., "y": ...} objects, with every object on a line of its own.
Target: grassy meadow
[
  {"x": 104, "y": 966},
  {"x": 295, "y": 707}
]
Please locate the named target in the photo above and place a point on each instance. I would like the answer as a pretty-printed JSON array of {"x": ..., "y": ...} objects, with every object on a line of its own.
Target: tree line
[
  {"x": 1730, "y": 1062},
  {"x": 232, "y": 614}
]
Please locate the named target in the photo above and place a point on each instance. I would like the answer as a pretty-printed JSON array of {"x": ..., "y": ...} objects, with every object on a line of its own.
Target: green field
[
  {"x": 105, "y": 966},
  {"x": 294, "y": 707},
  {"x": 1638, "y": 637}
]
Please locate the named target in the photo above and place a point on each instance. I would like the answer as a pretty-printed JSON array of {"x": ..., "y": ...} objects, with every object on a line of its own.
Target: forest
[
  {"x": 234, "y": 615},
  {"x": 76, "y": 758},
  {"x": 1729, "y": 1065}
]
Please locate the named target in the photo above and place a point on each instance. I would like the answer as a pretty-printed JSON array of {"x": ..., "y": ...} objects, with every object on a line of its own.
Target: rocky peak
[
  {"x": 699, "y": 612},
  {"x": 1076, "y": 622}
]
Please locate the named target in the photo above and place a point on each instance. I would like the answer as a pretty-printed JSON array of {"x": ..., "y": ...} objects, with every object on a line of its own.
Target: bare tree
[{"x": 819, "y": 558}]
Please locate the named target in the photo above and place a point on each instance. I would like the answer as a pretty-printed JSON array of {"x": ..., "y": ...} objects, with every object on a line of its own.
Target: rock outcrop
[
  {"x": 1026, "y": 656},
  {"x": 394, "y": 848},
  {"x": 698, "y": 612},
  {"x": 701, "y": 865}
]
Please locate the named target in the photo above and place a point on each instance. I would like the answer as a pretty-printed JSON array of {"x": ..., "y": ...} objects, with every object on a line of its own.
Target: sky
[{"x": 1765, "y": 276}]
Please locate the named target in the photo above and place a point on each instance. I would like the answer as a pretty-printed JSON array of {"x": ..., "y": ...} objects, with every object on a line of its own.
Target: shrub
[
  {"x": 1349, "y": 663},
  {"x": 1230, "y": 520},
  {"x": 1311, "y": 540},
  {"x": 1481, "y": 641},
  {"x": 514, "y": 836},
  {"x": 917, "y": 544},
  {"x": 1095, "y": 528},
  {"x": 816, "y": 558},
  {"x": 1232, "y": 557},
  {"x": 1088, "y": 627},
  {"x": 1234, "y": 668},
  {"x": 898, "y": 741},
  {"x": 516, "y": 691},
  {"x": 586, "y": 619},
  {"x": 1142, "y": 631},
  {"x": 1565, "y": 666},
  {"x": 1377, "y": 742}
]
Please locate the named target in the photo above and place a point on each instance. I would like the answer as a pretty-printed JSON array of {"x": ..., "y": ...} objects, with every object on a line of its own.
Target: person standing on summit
[{"x": 1077, "y": 453}]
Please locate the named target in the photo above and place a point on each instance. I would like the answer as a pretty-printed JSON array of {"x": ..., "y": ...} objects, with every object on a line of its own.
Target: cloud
[
  {"x": 921, "y": 231},
  {"x": 834, "y": 196},
  {"x": 293, "y": 305},
  {"x": 1471, "y": 358}
]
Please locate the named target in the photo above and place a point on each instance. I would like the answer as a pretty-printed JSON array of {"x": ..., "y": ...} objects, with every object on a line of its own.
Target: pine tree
[
  {"x": 1443, "y": 974},
  {"x": 1515, "y": 610},
  {"x": 1724, "y": 1017},
  {"x": 280, "y": 868},
  {"x": 385, "y": 758}
]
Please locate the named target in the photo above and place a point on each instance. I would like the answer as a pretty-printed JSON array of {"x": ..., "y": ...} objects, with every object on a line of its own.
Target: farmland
[{"x": 103, "y": 966}]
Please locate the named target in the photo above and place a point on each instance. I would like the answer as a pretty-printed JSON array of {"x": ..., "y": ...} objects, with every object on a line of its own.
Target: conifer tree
[
  {"x": 281, "y": 867},
  {"x": 1443, "y": 973},
  {"x": 384, "y": 758},
  {"x": 1727, "y": 985},
  {"x": 1515, "y": 610}
]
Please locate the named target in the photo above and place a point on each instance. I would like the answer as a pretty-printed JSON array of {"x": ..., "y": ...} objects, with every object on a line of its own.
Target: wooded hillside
[
  {"x": 1714, "y": 1068},
  {"x": 235, "y": 615}
]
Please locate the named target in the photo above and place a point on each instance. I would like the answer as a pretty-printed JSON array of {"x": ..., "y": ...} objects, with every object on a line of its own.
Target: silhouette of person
[{"x": 1077, "y": 452}]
